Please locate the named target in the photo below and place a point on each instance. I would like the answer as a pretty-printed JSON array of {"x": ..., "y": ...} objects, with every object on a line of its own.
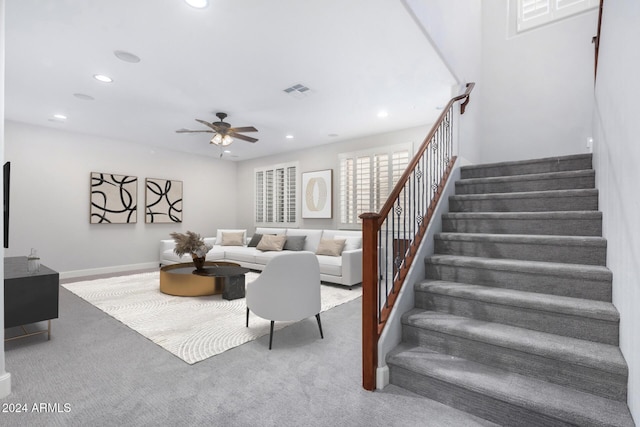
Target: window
[
  {"x": 533, "y": 13},
  {"x": 275, "y": 195},
  {"x": 367, "y": 178}
]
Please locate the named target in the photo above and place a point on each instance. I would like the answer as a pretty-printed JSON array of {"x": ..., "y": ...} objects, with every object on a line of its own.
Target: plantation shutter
[
  {"x": 533, "y": 13},
  {"x": 367, "y": 178},
  {"x": 275, "y": 195}
]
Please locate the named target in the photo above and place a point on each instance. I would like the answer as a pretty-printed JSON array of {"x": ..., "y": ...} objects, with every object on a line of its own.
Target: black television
[{"x": 5, "y": 193}]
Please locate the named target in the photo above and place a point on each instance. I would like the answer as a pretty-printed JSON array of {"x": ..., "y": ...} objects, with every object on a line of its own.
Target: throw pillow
[
  {"x": 255, "y": 240},
  {"x": 331, "y": 247},
  {"x": 294, "y": 243},
  {"x": 271, "y": 243},
  {"x": 232, "y": 239}
]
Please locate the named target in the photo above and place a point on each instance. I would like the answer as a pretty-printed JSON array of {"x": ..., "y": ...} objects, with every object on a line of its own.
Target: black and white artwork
[
  {"x": 113, "y": 199},
  {"x": 163, "y": 201}
]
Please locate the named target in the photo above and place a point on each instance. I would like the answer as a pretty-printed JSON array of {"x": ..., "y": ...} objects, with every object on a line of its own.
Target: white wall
[
  {"x": 313, "y": 159},
  {"x": 50, "y": 185},
  {"x": 455, "y": 29},
  {"x": 617, "y": 160},
  {"x": 5, "y": 378},
  {"x": 536, "y": 86}
]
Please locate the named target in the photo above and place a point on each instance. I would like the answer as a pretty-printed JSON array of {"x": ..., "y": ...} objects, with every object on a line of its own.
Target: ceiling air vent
[{"x": 297, "y": 90}]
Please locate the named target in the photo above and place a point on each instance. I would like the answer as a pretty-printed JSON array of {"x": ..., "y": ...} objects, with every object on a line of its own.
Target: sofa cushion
[
  {"x": 295, "y": 243},
  {"x": 233, "y": 238},
  {"x": 267, "y": 230},
  {"x": 263, "y": 258},
  {"x": 240, "y": 254},
  {"x": 271, "y": 243},
  {"x": 169, "y": 255},
  {"x": 331, "y": 247},
  {"x": 330, "y": 265},
  {"x": 312, "y": 240},
  {"x": 351, "y": 242}
]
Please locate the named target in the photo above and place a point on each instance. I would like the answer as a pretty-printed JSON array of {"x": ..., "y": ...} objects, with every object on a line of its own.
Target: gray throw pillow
[
  {"x": 255, "y": 240},
  {"x": 294, "y": 243}
]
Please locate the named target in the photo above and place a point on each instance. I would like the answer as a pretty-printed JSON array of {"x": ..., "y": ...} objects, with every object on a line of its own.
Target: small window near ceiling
[{"x": 534, "y": 13}]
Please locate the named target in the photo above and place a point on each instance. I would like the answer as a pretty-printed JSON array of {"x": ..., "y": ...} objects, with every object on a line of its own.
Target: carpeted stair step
[
  {"x": 566, "y": 249},
  {"x": 572, "y": 317},
  {"x": 571, "y": 280},
  {"x": 499, "y": 396},
  {"x": 567, "y": 223},
  {"x": 524, "y": 167},
  {"x": 531, "y": 182},
  {"x": 532, "y": 201},
  {"x": 583, "y": 365}
]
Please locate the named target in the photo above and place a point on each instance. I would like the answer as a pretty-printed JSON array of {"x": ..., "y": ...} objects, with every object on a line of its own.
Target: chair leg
[
  {"x": 319, "y": 325},
  {"x": 271, "y": 335},
  {"x": 247, "y": 317}
]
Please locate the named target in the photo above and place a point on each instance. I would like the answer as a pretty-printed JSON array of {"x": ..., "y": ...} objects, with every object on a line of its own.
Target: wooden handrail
[
  {"x": 384, "y": 211},
  {"x": 412, "y": 222},
  {"x": 596, "y": 40}
]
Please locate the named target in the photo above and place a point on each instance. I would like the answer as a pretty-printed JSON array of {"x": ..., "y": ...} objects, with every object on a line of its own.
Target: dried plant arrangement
[{"x": 190, "y": 243}]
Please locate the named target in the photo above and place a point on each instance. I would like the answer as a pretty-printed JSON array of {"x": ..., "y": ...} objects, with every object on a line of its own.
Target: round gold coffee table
[{"x": 179, "y": 280}]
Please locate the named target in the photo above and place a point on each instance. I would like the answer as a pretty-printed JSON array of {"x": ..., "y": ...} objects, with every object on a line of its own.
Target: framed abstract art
[
  {"x": 317, "y": 194},
  {"x": 113, "y": 199},
  {"x": 163, "y": 201}
]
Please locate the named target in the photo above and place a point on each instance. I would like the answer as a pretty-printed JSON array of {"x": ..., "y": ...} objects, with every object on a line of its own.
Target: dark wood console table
[{"x": 29, "y": 297}]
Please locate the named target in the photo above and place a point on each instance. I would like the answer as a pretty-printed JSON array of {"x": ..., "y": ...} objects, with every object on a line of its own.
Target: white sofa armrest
[
  {"x": 352, "y": 267},
  {"x": 166, "y": 245}
]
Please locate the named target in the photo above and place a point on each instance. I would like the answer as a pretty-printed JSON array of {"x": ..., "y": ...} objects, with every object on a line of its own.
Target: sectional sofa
[{"x": 342, "y": 267}]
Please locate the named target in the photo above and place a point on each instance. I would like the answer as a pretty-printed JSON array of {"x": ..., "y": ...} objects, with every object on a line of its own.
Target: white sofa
[{"x": 345, "y": 269}]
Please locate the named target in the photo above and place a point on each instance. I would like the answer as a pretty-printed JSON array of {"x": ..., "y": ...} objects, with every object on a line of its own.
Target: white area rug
[{"x": 192, "y": 328}]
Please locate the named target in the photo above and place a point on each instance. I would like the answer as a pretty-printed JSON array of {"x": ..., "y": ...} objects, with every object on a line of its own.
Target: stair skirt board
[{"x": 514, "y": 322}]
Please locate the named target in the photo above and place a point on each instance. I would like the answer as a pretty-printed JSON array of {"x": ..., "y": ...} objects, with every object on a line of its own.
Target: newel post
[{"x": 369, "y": 299}]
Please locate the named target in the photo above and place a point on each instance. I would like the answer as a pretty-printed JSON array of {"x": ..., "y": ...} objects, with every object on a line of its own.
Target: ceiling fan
[{"x": 223, "y": 132}]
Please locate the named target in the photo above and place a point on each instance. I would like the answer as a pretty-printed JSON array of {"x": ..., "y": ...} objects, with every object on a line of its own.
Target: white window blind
[
  {"x": 367, "y": 178},
  {"x": 275, "y": 195},
  {"x": 533, "y": 13}
]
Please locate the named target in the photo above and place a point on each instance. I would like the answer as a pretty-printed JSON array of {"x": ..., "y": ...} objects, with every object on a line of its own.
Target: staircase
[{"x": 514, "y": 322}]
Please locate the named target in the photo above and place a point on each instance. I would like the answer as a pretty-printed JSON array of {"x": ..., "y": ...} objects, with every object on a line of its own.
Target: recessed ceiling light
[
  {"x": 83, "y": 96},
  {"x": 126, "y": 56},
  {"x": 60, "y": 116},
  {"x": 102, "y": 78},
  {"x": 289, "y": 136},
  {"x": 227, "y": 151},
  {"x": 382, "y": 114},
  {"x": 198, "y": 4}
]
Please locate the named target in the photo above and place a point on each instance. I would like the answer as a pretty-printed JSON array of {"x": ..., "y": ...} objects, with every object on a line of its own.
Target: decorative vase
[{"x": 198, "y": 261}]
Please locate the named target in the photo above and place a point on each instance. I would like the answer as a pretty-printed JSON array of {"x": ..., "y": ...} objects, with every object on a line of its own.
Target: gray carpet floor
[{"x": 96, "y": 371}]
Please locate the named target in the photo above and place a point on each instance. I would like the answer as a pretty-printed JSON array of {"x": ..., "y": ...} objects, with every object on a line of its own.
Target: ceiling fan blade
[
  {"x": 191, "y": 131},
  {"x": 244, "y": 129},
  {"x": 242, "y": 137},
  {"x": 211, "y": 125}
]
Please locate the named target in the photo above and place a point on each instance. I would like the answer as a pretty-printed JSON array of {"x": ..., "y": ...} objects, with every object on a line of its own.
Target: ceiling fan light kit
[{"x": 224, "y": 134}]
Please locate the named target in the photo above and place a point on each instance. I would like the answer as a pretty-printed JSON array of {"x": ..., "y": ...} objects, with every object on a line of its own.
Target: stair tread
[
  {"x": 586, "y": 156},
  {"x": 575, "y": 215},
  {"x": 528, "y": 177},
  {"x": 525, "y": 239},
  {"x": 553, "y": 400},
  {"x": 543, "y": 302},
  {"x": 597, "y": 272},
  {"x": 603, "y": 357},
  {"x": 528, "y": 194}
]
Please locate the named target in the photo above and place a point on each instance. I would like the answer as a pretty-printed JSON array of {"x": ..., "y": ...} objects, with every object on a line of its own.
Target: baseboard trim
[
  {"x": 382, "y": 377},
  {"x": 5, "y": 385},
  {"x": 107, "y": 270}
]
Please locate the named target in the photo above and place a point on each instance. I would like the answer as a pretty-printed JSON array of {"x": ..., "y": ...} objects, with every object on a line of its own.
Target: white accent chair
[{"x": 288, "y": 289}]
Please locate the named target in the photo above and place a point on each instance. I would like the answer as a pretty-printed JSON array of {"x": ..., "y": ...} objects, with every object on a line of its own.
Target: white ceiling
[{"x": 235, "y": 56}]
